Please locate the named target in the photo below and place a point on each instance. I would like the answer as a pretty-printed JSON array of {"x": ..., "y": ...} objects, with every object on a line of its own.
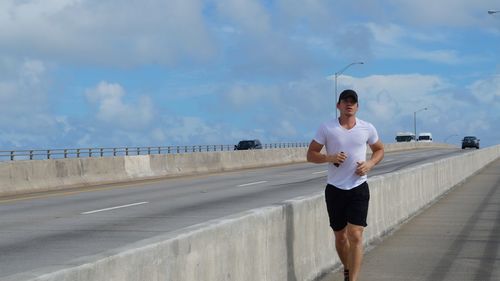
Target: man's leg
[
  {"x": 355, "y": 254},
  {"x": 342, "y": 246}
]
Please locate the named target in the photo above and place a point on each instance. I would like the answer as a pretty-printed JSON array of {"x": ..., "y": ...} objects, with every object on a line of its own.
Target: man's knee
[
  {"x": 341, "y": 237},
  {"x": 354, "y": 234}
]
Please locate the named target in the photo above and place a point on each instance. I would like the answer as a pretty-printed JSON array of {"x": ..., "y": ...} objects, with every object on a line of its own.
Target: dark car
[
  {"x": 248, "y": 144},
  {"x": 470, "y": 141}
]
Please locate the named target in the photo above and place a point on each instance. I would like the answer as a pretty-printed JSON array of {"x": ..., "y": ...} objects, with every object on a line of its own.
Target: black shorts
[{"x": 347, "y": 206}]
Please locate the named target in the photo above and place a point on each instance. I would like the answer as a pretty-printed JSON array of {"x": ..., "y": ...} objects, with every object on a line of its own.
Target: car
[
  {"x": 425, "y": 137},
  {"x": 470, "y": 141},
  {"x": 405, "y": 137},
  {"x": 248, "y": 144}
]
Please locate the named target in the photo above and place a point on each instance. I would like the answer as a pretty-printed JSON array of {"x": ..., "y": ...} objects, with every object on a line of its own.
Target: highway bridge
[{"x": 206, "y": 216}]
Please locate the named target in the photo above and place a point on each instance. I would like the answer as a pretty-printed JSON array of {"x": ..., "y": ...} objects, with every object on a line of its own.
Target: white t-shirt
[{"x": 353, "y": 142}]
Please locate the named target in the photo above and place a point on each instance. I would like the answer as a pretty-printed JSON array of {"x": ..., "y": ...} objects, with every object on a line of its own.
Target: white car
[{"x": 425, "y": 137}]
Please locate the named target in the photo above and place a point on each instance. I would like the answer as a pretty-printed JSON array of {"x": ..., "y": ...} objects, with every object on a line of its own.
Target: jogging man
[{"x": 347, "y": 193}]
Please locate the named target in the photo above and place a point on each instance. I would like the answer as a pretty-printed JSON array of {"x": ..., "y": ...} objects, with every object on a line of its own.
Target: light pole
[
  {"x": 337, "y": 74},
  {"x": 415, "y": 120},
  {"x": 491, "y": 12}
]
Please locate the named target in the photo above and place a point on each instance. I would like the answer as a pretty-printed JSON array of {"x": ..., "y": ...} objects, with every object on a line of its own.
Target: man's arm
[
  {"x": 377, "y": 152},
  {"x": 314, "y": 155},
  {"x": 377, "y": 156}
]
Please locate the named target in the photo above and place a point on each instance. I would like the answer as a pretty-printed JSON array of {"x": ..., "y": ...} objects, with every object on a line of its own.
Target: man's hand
[
  {"x": 339, "y": 158},
  {"x": 364, "y": 167}
]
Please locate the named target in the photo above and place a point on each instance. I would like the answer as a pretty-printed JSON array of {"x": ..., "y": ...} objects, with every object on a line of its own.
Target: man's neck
[{"x": 347, "y": 122}]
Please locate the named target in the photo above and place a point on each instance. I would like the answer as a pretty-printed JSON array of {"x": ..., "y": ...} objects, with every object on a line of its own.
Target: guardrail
[{"x": 38, "y": 154}]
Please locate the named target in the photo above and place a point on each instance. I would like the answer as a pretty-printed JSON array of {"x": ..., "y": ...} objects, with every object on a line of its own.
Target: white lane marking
[
  {"x": 321, "y": 172},
  {"x": 252, "y": 183},
  {"x": 113, "y": 208}
]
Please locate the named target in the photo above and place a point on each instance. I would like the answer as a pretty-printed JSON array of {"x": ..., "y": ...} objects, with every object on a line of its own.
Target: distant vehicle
[
  {"x": 470, "y": 141},
  {"x": 425, "y": 137},
  {"x": 248, "y": 144},
  {"x": 405, "y": 137}
]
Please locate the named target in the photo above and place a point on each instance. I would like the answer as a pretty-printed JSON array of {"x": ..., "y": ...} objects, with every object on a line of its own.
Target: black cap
[{"x": 348, "y": 94}]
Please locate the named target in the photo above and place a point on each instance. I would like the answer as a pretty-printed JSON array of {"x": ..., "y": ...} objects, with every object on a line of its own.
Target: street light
[
  {"x": 415, "y": 120},
  {"x": 337, "y": 74},
  {"x": 491, "y": 12}
]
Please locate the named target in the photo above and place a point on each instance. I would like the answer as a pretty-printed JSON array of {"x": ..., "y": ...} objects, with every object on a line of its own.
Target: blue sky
[{"x": 103, "y": 73}]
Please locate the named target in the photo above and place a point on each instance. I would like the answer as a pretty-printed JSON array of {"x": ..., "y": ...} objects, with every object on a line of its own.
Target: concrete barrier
[
  {"x": 287, "y": 241},
  {"x": 27, "y": 176}
]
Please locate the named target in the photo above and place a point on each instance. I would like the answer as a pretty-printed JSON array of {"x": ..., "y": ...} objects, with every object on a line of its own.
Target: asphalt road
[
  {"x": 456, "y": 239},
  {"x": 41, "y": 230}
]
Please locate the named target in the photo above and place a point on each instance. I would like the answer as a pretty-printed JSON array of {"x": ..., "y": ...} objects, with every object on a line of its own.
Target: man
[{"x": 347, "y": 192}]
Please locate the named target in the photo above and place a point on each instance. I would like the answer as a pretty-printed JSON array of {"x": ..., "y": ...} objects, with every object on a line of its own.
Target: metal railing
[{"x": 38, "y": 154}]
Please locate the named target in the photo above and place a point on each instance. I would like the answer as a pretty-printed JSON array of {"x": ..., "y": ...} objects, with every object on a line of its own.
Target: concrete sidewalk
[{"x": 457, "y": 238}]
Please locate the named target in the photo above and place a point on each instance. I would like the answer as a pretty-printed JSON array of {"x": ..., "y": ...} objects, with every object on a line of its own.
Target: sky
[{"x": 114, "y": 73}]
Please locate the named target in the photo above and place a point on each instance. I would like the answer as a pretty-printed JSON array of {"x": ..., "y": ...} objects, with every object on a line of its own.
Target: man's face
[{"x": 348, "y": 107}]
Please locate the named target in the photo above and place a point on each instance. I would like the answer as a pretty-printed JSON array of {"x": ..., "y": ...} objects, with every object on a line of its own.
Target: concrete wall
[
  {"x": 25, "y": 176},
  {"x": 288, "y": 241}
]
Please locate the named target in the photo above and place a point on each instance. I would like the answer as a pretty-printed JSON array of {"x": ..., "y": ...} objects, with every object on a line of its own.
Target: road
[{"x": 54, "y": 228}]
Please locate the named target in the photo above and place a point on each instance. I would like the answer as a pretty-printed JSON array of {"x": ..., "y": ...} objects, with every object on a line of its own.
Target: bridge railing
[{"x": 38, "y": 154}]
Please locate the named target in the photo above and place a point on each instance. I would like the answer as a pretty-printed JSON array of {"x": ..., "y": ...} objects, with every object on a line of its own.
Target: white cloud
[
  {"x": 389, "y": 34},
  {"x": 319, "y": 13},
  {"x": 286, "y": 130},
  {"x": 158, "y": 136},
  {"x": 191, "y": 130},
  {"x": 400, "y": 94},
  {"x": 250, "y": 16},
  {"x": 398, "y": 42},
  {"x": 487, "y": 91},
  {"x": 106, "y": 32},
  {"x": 25, "y": 105},
  {"x": 441, "y": 56},
  {"x": 23, "y": 92},
  {"x": 111, "y": 108},
  {"x": 245, "y": 95},
  {"x": 65, "y": 124}
]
